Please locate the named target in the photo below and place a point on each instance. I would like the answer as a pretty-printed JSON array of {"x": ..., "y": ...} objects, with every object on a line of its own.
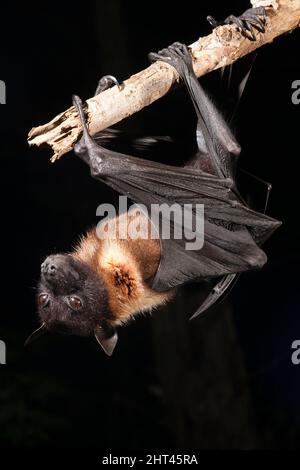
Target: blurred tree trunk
[{"x": 204, "y": 385}]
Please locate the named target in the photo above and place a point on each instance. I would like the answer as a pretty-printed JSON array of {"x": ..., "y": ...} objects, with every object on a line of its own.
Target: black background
[{"x": 225, "y": 381}]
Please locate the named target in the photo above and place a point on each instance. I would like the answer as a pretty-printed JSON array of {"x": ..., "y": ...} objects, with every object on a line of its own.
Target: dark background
[{"x": 224, "y": 381}]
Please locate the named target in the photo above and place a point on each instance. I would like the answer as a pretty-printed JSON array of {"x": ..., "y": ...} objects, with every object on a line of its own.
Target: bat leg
[
  {"x": 251, "y": 19},
  {"x": 214, "y": 138},
  {"x": 107, "y": 82}
]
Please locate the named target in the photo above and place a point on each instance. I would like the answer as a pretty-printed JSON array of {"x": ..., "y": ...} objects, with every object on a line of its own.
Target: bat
[{"x": 106, "y": 281}]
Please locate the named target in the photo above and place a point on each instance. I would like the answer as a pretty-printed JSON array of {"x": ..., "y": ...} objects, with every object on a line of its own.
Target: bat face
[{"x": 72, "y": 298}]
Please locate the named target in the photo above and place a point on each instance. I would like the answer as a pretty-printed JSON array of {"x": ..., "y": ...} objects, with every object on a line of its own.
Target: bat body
[{"x": 107, "y": 281}]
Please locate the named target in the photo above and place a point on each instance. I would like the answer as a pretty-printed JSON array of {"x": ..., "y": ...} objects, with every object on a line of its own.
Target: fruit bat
[{"x": 106, "y": 281}]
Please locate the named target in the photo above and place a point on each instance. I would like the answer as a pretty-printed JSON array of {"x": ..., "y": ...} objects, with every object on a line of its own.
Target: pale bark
[{"x": 223, "y": 47}]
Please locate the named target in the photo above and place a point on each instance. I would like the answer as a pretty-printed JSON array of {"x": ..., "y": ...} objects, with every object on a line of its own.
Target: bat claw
[
  {"x": 107, "y": 82},
  {"x": 251, "y": 19},
  {"x": 77, "y": 102},
  {"x": 212, "y": 21},
  {"x": 177, "y": 55}
]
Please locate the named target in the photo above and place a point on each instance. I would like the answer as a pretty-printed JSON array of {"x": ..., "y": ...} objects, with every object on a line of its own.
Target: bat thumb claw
[{"x": 76, "y": 101}]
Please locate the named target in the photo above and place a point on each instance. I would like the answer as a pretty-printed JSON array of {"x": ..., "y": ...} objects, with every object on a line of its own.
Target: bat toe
[{"x": 251, "y": 20}]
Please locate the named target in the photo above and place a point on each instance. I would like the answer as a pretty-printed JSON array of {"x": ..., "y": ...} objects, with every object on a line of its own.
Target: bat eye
[
  {"x": 43, "y": 299},
  {"x": 75, "y": 302}
]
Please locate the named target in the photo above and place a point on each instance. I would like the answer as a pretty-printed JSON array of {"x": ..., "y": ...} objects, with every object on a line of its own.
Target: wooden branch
[{"x": 223, "y": 47}]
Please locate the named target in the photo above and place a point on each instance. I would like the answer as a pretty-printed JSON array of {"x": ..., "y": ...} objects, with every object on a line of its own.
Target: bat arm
[
  {"x": 214, "y": 128},
  {"x": 91, "y": 152},
  {"x": 213, "y": 133}
]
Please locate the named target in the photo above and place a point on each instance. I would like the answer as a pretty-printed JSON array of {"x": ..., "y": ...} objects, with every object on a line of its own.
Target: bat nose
[
  {"x": 58, "y": 271},
  {"x": 49, "y": 267}
]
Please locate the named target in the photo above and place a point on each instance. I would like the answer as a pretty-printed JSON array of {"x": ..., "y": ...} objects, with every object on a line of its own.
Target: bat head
[{"x": 72, "y": 299}]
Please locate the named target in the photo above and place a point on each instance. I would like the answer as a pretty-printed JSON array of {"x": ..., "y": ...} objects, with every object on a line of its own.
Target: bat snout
[
  {"x": 49, "y": 268},
  {"x": 52, "y": 266},
  {"x": 57, "y": 268}
]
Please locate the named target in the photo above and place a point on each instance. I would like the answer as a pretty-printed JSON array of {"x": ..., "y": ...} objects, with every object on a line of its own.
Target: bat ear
[
  {"x": 107, "y": 339},
  {"x": 36, "y": 334}
]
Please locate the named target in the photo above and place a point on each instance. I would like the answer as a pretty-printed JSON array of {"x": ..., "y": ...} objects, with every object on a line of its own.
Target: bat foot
[
  {"x": 107, "y": 82},
  {"x": 251, "y": 20},
  {"x": 176, "y": 55}
]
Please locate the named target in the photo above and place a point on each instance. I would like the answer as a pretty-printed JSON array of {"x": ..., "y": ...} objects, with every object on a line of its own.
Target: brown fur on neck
[{"x": 127, "y": 266}]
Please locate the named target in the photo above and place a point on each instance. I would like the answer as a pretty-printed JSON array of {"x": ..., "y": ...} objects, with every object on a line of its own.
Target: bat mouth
[{"x": 62, "y": 328}]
